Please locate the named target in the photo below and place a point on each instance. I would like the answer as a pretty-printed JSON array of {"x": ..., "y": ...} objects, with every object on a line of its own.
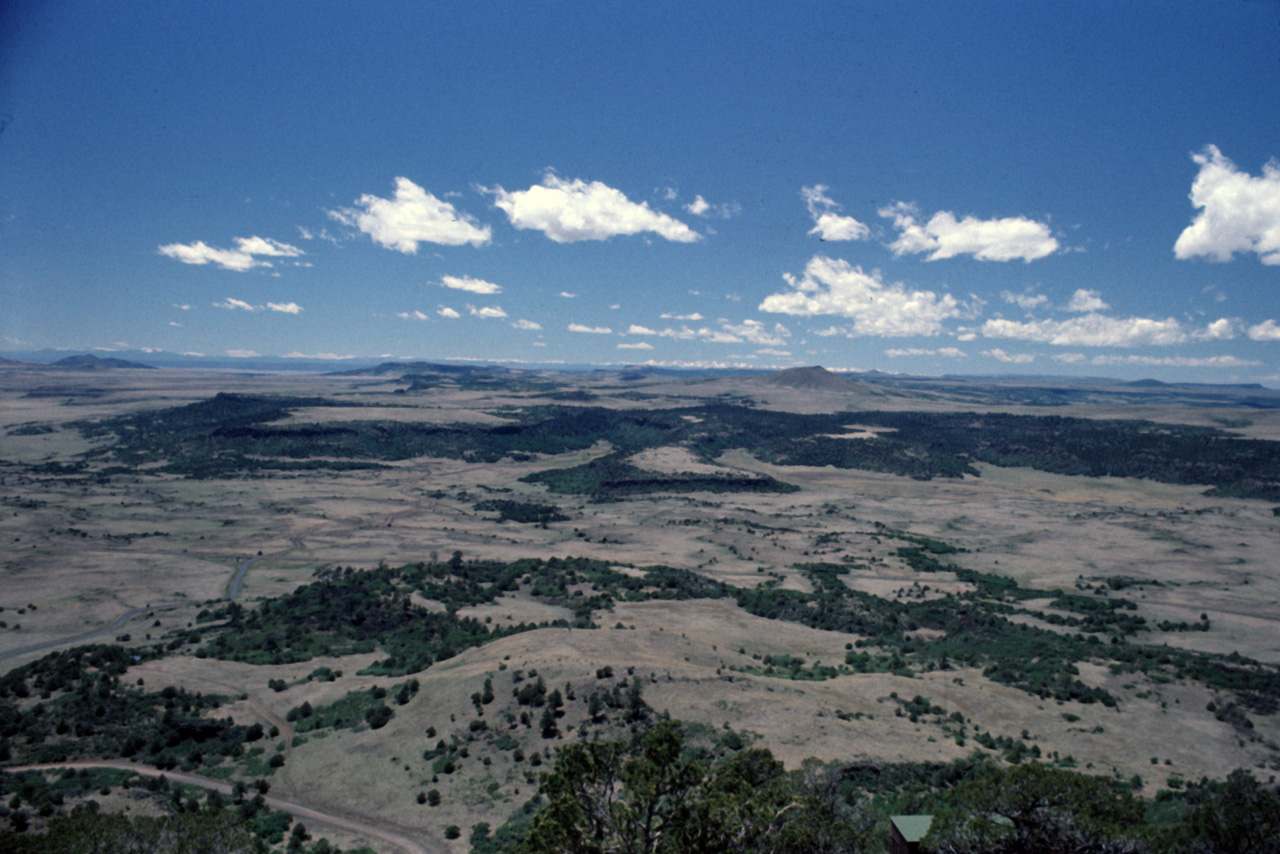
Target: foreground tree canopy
[
  {"x": 652, "y": 796},
  {"x": 655, "y": 794}
]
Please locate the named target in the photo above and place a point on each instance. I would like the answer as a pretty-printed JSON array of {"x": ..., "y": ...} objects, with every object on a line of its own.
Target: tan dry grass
[
  {"x": 1210, "y": 555},
  {"x": 672, "y": 460}
]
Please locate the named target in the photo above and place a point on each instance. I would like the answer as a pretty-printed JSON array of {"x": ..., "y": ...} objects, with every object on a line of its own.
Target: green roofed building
[{"x": 907, "y": 832}]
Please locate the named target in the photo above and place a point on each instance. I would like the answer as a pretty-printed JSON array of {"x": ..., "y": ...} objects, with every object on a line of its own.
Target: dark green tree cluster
[
  {"x": 524, "y": 512},
  {"x": 349, "y": 611},
  {"x": 1044, "y": 662},
  {"x": 612, "y": 478},
  {"x": 655, "y": 794},
  {"x": 652, "y": 796},
  {"x": 342, "y": 615},
  {"x": 235, "y": 433},
  {"x": 60, "y": 670},
  {"x": 59, "y": 813},
  {"x": 927, "y": 444},
  {"x": 354, "y": 710},
  {"x": 1031, "y": 809},
  {"x": 356, "y": 611},
  {"x": 85, "y": 709},
  {"x": 1037, "y": 810},
  {"x": 91, "y": 832}
]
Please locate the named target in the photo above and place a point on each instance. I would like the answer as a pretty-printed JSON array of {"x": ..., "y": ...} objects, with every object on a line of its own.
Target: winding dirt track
[
  {"x": 399, "y": 837},
  {"x": 315, "y": 817},
  {"x": 233, "y": 588},
  {"x": 116, "y": 626},
  {"x": 234, "y": 585}
]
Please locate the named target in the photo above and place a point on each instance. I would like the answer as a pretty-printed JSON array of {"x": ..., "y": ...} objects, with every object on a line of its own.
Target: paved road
[
  {"x": 233, "y": 590},
  {"x": 310, "y": 816},
  {"x": 118, "y": 624}
]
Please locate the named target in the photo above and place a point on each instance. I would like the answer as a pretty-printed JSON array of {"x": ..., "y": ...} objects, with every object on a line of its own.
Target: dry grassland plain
[{"x": 79, "y": 553}]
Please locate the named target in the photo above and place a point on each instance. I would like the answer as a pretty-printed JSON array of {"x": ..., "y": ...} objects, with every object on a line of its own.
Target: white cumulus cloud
[
  {"x": 1016, "y": 359},
  {"x": 757, "y": 333},
  {"x": 200, "y": 253},
  {"x": 266, "y": 246},
  {"x": 1239, "y": 212},
  {"x": 487, "y": 312},
  {"x": 639, "y": 345},
  {"x": 413, "y": 216},
  {"x": 1222, "y": 329},
  {"x": 411, "y": 315},
  {"x": 239, "y": 259},
  {"x": 1085, "y": 301},
  {"x": 831, "y": 286},
  {"x": 593, "y": 330},
  {"x": 1267, "y": 330},
  {"x": 701, "y": 207},
  {"x": 234, "y": 304},
  {"x": 948, "y": 352},
  {"x": 1091, "y": 330},
  {"x": 323, "y": 234},
  {"x": 445, "y": 311},
  {"x": 466, "y": 283},
  {"x": 1024, "y": 301},
  {"x": 693, "y": 318},
  {"x": 828, "y": 224},
  {"x": 570, "y": 211},
  {"x": 749, "y": 331},
  {"x": 634, "y": 329},
  {"x": 1176, "y": 361},
  {"x": 527, "y": 324},
  {"x": 943, "y": 236},
  {"x": 240, "y": 305}
]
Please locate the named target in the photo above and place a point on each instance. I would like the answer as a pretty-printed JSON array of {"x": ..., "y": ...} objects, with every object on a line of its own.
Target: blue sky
[{"x": 1085, "y": 188}]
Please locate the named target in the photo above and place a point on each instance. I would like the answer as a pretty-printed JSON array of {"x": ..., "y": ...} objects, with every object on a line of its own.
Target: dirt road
[{"x": 310, "y": 816}]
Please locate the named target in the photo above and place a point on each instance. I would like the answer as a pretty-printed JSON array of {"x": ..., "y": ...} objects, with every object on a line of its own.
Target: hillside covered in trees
[{"x": 237, "y": 433}]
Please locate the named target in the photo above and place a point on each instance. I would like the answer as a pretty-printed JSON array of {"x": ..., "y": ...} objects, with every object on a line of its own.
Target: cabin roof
[{"x": 912, "y": 827}]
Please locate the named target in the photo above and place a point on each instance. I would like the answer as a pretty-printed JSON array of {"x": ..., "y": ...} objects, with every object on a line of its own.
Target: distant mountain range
[
  {"x": 980, "y": 390},
  {"x": 814, "y": 377},
  {"x": 84, "y": 362},
  {"x": 89, "y": 362}
]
